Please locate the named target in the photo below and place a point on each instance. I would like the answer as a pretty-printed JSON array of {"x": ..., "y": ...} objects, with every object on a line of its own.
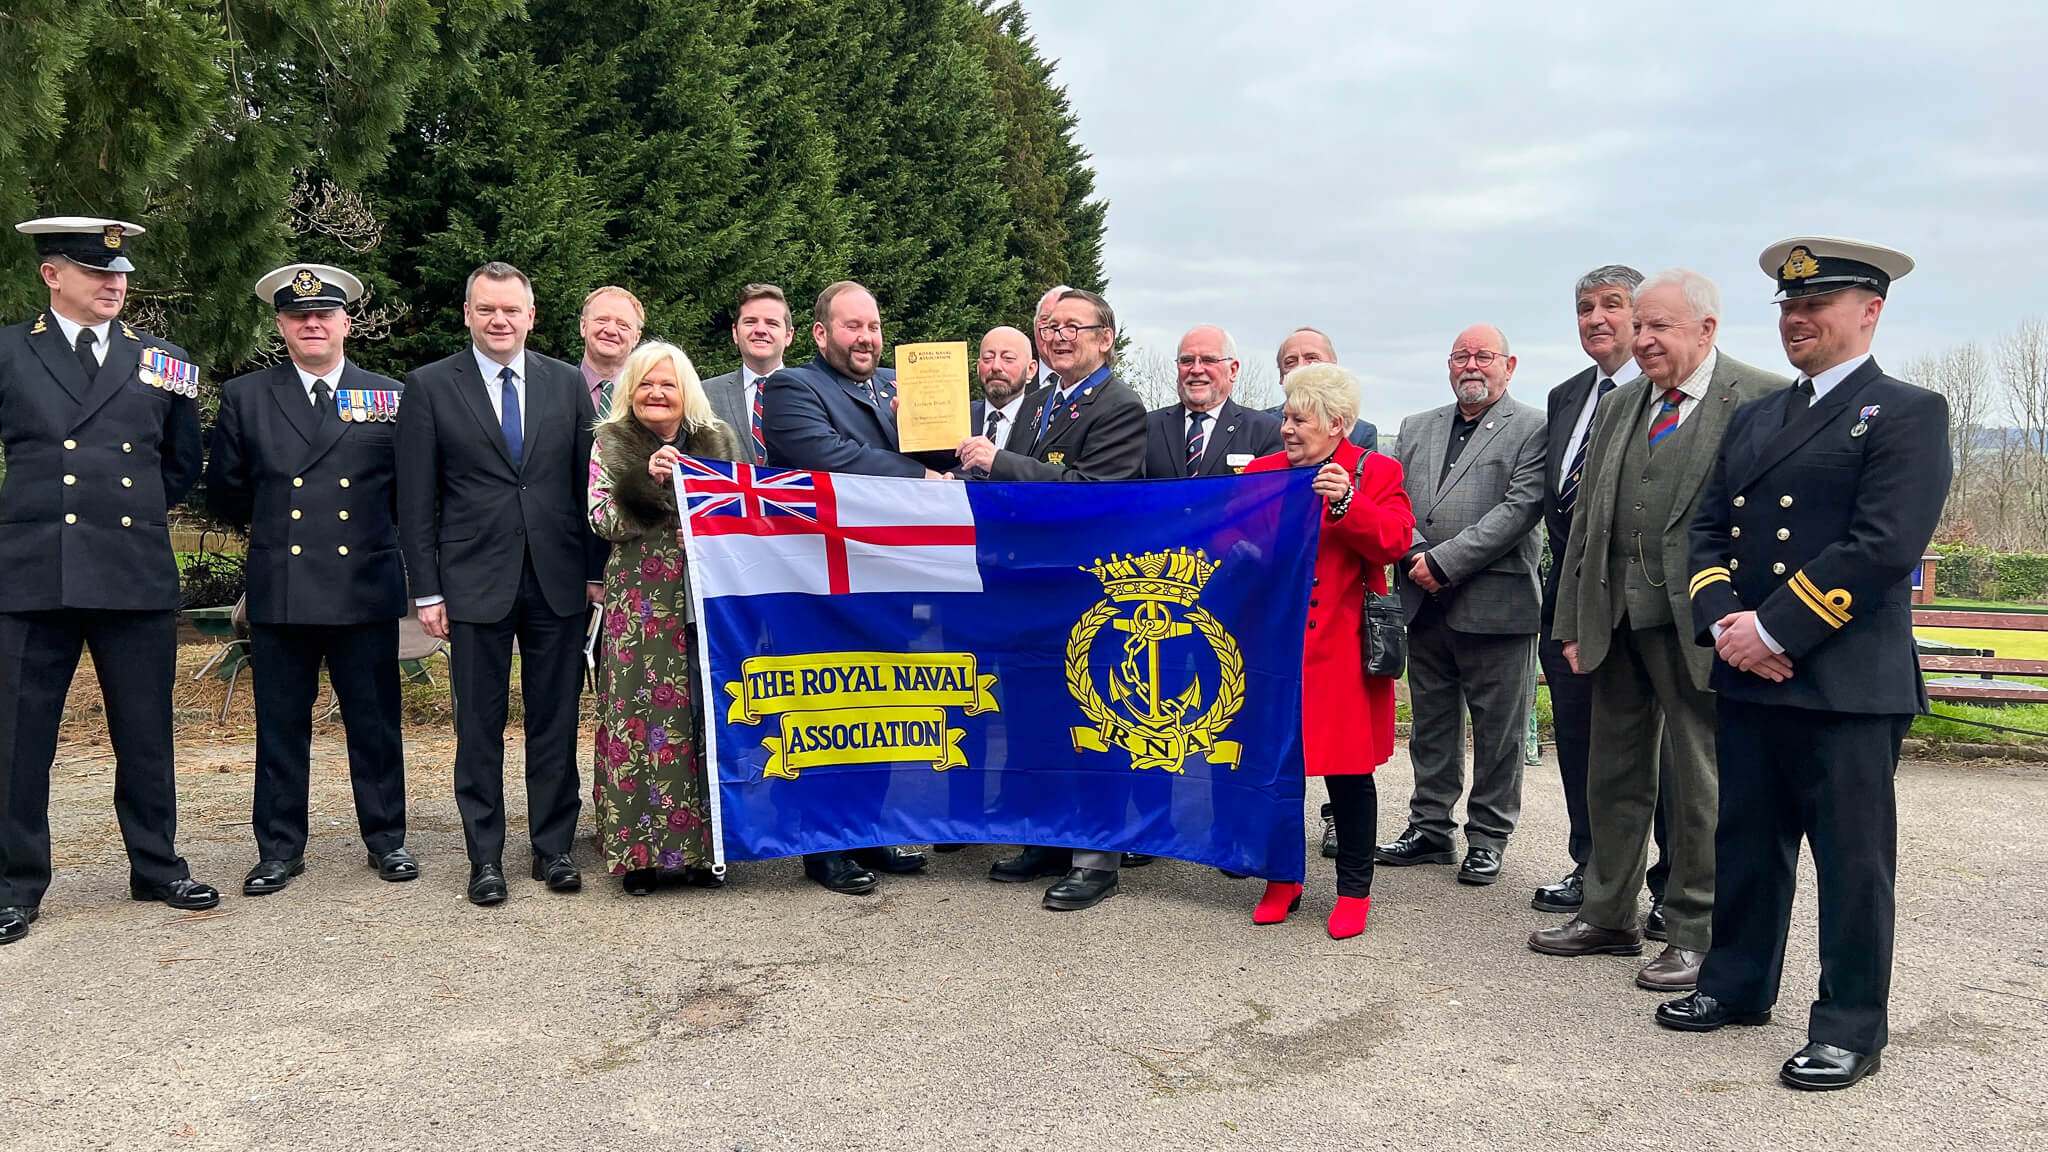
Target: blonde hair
[
  {"x": 697, "y": 414},
  {"x": 1329, "y": 392}
]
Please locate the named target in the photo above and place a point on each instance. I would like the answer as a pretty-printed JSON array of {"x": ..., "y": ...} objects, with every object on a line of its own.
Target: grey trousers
[
  {"x": 1451, "y": 674},
  {"x": 1641, "y": 694}
]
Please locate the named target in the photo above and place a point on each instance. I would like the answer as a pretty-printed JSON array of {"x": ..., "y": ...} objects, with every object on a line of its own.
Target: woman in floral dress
[{"x": 651, "y": 807}]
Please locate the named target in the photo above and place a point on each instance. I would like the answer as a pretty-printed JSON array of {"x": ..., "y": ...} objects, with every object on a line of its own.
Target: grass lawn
[
  {"x": 1994, "y": 605},
  {"x": 2011, "y": 645},
  {"x": 2033, "y": 717}
]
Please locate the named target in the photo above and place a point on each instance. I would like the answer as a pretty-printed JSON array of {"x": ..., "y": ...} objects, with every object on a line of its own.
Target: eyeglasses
[
  {"x": 1204, "y": 361},
  {"x": 1479, "y": 359},
  {"x": 1067, "y": 331}
]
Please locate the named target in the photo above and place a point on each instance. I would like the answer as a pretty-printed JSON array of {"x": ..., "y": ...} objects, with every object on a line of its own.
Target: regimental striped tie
[
  {"x": 760, "y": 445},
  {"x": 1568, "y": 492},
  {"x": 1195, "y": 441},
  {"x": 604, "y": 399},
  {"x": 1667, "y": 417}
]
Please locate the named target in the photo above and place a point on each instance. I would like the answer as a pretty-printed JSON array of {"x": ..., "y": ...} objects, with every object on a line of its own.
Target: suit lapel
[
  {"x": 1704, "y": 427},
  {"x": 1222, "y": 430},
  {"x": 1489, "y": 426},
  {"x": 59, "y": 358},
  {"x": 328, "y": 430},
  {"x": 474, "y": 389},
  {"x": 1436, "y": 432},
  {"x": 1574, "y": 400},
  {"x": 290, "y": 397},
  {"x": 1787, "y": 438},
  {"x": 124, "y": 354}
]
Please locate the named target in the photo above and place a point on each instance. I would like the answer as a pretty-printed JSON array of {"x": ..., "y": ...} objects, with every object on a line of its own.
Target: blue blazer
[{"x": 812, "y": 417}]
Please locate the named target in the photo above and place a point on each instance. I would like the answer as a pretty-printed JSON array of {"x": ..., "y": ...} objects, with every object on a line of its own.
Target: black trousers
[
  {"x": 362, "y": 664},
  {"x": 135, "y": 656},
  {"x": 551, "y": 685},
  {"x": 1827, "y": 777},
  {"x": 1355, "y": 805},
  {"x": 1571, "y": 718}
]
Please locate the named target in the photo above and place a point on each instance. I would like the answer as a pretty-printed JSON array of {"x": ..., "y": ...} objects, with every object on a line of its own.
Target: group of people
[{"x": 1721, "y": 624}]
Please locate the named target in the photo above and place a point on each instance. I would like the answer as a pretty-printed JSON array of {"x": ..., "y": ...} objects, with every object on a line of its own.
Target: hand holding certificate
[{"x": 931, "y": 395}]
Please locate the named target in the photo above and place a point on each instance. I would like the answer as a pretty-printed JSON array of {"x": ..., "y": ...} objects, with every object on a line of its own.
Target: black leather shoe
[
  {"x": 1481, "y": 866},
  {"x": 1137, "y": 859},
  {"x": 272, "y": 876},
  {"x": 1032, "y": 863},
  {"x": 1700, "y": 1012},
  {"x": 14, "y": 923},
  {"x": 486, "y": 885},
  {"x": 1654, "y": 927},
  {"x": 1567, "y": 895},
  {"x": 703, "y": 878},
  {"x": 186, "y": 895},
  {"x": 559, "y": 872},
  {"x": 1329, "y": 833},
  {"x": 837, "y": 872},
  {"x": 1822, "y": 1067},
  {"x": 894, "y": 861},
  {"x": 1081, "y": 888},
  {"x": 641, "y": 881},
  {"x": 396, "y": 866},
  {"x": 1414, "y": 847}
]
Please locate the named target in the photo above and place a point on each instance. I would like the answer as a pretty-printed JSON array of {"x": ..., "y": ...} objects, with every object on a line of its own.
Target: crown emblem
[
  {"x": 1160, "y": 577},
  {"x": 111, "y": 236},
  {"x": 1799, "y": 265},
  {"x": 306, "y": 284}
]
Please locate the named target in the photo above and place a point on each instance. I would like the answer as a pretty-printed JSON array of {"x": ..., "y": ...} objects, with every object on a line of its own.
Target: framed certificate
[{"x": 931, "y": 396}]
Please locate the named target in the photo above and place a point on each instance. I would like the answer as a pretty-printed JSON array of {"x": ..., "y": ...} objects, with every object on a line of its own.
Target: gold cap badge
[
  {"x": 306, "y": 284},
  {"x": 111, "y": 236},
  {"x": 1799, "y": 265}
]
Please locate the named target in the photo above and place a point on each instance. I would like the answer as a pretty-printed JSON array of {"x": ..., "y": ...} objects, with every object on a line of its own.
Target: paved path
[{"x": 947, "y": 1012}]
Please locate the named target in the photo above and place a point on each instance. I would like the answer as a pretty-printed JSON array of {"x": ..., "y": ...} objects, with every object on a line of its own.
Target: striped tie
[
  {"x": 1195, "y": 441},
  {"x": 604, "y": 399},
  {"x": 1667, "y": 417},
  {"x": 760, "y": 445},
  {"x": 1568, "y": 492}
]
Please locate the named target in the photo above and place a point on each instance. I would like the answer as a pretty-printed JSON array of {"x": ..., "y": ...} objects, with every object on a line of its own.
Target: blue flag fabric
[{"x": 1108, "y": 666}]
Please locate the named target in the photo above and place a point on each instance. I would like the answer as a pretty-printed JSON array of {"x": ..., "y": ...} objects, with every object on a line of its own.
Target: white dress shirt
[
  {"x": 1006, "y": 417},
  {"x": 753, "y": 382},
  {"x": 307, "y": 379},
  {"x": 1583, "y": 426},
  {"x": 495, "y": 387},
  {"x": 71, "y": 329},
  {"x": 1694, "y": 387},
  {"x": 1826, "y": 381}
]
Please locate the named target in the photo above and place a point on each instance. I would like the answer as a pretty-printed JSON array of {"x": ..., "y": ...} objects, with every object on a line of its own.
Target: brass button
[
  {"x": 343, "y": 514},
  {"x": 296, "y": 513},
  {"x": 298, "y": 481},
  {"x": 1732, "y": 564},
  {"x": 1736, "y": 532},
  {"x": 70, "y": 479},
  {"x": 1784, "y": 501},
  {"x": 71, "y": 517},
  {"x": 341, "y": 551},
  {"x": 1784, "y": 533},
  {"x": 126, "y": 522},
  {"x": 70, "y": 444},
  {"x": 295, "y": 549},
  {"x": 1739, "y": 501},
  {"x": 344, "y": 481},
  {"x": 1778, "y": 569},
  {"x": 127, "y": 483}
]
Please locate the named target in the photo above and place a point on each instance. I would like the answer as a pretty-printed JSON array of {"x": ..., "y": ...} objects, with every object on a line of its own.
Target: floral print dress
[{"x": 649, "y": 793}]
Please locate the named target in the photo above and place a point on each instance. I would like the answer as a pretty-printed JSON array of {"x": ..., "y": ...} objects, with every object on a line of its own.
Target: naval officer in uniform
[
  {"x": 303, "y": 460},
  {"x": 101, "y": 431},
  {"x": 1821, "y": 503}
]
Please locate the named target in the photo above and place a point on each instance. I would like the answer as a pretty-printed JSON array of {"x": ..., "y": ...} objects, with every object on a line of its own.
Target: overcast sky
[{"x": 1393, "y": 172}]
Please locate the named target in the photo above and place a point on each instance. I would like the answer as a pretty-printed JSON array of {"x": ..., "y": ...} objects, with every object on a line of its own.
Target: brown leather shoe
[
  {"x": 1674, "y": 970},
  {"x": 1575, "y": 937}
]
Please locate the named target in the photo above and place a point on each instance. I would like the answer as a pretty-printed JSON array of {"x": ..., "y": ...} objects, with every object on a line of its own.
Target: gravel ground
[{"x": 948, "y": 1012}]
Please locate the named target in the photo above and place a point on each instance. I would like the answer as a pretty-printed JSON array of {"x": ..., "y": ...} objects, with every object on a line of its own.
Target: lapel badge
[
  {"x": 128, "y": 332},
  {"x": 1863, "y": 420},
  {"x": 1055, "y": 457},
  {"x": 1489, "y": 423},
  {"x": 42, "y": 326}
]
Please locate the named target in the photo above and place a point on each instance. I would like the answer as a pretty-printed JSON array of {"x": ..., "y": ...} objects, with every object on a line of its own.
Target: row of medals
[{"x": 364, "y": 407}]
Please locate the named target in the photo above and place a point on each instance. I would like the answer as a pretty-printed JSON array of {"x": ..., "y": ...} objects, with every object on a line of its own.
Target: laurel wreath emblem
[{"x": 1202, "y": 732}]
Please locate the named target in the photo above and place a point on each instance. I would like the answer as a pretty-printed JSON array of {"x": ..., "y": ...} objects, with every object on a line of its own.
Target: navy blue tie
[{"x": 508, "y": 415}]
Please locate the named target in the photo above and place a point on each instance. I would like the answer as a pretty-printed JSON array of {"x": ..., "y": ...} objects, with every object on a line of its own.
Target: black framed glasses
[
  {"x": 1067, "y": 331},
  {"x": 1479, "y": 359}
]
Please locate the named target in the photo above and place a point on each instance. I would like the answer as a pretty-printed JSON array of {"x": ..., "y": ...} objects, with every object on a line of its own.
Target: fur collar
[{"x": 643, "y": 502}]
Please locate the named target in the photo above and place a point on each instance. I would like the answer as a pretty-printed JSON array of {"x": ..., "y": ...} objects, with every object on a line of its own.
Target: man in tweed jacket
[{"x": 1469, "y": 586}]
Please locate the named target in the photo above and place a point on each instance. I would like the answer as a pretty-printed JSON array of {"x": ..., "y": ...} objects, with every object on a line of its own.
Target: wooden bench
[{"x": 1985, "y": 667}]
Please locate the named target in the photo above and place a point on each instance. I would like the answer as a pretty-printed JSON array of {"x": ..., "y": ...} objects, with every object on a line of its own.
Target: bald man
[
  {"x": 1312, "y": 346},
  {"x": 1008, "y": 371},
  {"x": 1206, "y": 433}
]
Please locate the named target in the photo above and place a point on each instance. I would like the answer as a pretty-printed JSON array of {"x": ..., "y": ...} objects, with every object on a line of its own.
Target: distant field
[{"x": 2013, "y": 645}]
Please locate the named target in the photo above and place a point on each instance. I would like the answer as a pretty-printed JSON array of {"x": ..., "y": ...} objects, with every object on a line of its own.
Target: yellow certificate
[{"x": 931, "y": 390}]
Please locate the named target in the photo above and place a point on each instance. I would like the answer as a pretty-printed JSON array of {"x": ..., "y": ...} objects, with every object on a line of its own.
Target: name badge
[{"x": 1238, "y": 460}]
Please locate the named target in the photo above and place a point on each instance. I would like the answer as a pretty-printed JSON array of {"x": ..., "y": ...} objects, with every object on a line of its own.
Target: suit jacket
[
  {"x": 318, "y": 497},
  {"x": 467, "y": 519},
  {"x": 1479, "y": 522},
  {"x": 1234, "y": 431},
  {"x": 1586, "y": 603},
  {"x": 1817, "y": 525},
  {"x": 812, "y": 417},
  {"x": 1100, "y": 435},
  {"x": 728, "y": 396},
  {"x": 1561, "y": 415},
  {"x": 93, "y": 468},
  {"x": 1015, "y": 438},
  {"x": 1362, "y": 434}
]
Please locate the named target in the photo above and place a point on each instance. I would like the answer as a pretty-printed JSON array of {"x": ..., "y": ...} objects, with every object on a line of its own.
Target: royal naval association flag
[{"x": 895, "y": 661}]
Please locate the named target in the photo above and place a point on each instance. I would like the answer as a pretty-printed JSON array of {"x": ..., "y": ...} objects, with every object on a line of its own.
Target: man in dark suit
[
  {"x": 836, "y": 414},
  {"x": 1469, "y": 587},
  {"x": 1207, "y": 433},
  {"x": 1088, "y": 426},
  {"x": 1312, "y": 346},
  {"x": 493, "y": 469},
  {"x": 761, "y": 331},
  {"x": 101, "y": 433},
  {"x": 303, "y": 461},
  {"x": 610, "y": 325},
  {"x": 1007, "y": 371},
  {"x": 1822, "y": 501}
]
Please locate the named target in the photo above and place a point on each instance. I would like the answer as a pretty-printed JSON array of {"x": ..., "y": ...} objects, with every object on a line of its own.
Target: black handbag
[{"x": 1382, "y": 627}]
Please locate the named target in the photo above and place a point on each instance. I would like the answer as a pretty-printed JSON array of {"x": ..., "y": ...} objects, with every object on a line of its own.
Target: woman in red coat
[{"x": 1347, "y": 717}]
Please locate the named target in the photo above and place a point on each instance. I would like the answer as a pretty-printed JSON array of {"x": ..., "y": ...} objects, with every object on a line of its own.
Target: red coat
[{"x": 1347, "y": 718}]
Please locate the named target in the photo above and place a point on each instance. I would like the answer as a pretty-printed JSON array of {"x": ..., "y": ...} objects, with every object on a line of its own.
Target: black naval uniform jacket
[
  {"x": 93, "y": 468},
  {"x": 1817, "y": 526},
  {"x": 319, "y": 498}
]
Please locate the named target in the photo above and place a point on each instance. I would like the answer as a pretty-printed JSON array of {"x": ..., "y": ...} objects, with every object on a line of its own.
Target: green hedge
[{"x": 1971, "y": 573}]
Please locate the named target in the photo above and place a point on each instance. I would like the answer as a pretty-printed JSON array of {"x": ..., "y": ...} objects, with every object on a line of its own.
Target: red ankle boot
[
  {"x": 1348, "y": 918},
  {"x": 1279, "y": 900}
]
